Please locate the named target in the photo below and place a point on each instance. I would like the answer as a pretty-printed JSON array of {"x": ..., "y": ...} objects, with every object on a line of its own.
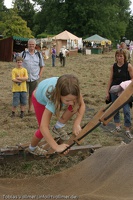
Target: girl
[
  {"x": 121, "y": 71},
  {"x": 49, "y": 98}
]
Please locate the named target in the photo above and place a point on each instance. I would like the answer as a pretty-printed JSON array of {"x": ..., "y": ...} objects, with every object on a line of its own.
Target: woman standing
[
  {"x": 53, "y": 52},
  {"x": 121, "y": 71}
]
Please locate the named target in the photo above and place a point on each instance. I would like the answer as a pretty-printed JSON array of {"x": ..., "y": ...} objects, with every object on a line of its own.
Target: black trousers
[{"x": 63, "y": 61}]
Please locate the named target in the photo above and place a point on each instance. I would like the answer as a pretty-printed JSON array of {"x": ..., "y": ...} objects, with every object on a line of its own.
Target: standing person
[
  {"x": 118, "y": 46},
  {"x": 62, "y": 55},
  {"x": 34, "y": 63},
  {"x": 131, "y": 49},
  {"x": 53, "y": 52},
  {"x": 49, "y": 98},
  {"x": 124, "y": 47},
  {"x": 121, "y": 71},
  {"x": 84, "y": 50},
  {"x": 19, "y": 88}
]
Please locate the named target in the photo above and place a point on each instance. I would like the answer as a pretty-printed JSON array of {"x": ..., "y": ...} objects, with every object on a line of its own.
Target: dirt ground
[{"x": 99, "y": 176}]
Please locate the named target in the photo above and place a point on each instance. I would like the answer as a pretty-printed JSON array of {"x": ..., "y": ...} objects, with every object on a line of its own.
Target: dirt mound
[{"x": 105, "y": 175}]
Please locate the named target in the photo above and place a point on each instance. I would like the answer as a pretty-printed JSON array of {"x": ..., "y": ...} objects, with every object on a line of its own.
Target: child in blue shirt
[{"x": 49, "y": 98}]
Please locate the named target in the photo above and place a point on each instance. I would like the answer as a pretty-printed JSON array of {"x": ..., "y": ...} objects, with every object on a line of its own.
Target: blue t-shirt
[{"x": 41, "y": 90}]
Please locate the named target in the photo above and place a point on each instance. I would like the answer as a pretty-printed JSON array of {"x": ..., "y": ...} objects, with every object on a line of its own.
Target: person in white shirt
[{"x": 62, "y": 55}]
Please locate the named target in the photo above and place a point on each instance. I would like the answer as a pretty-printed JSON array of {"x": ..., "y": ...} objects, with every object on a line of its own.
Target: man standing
[
  {"x": 34, "y": 63},
  {"x": 62, "y": 55}
]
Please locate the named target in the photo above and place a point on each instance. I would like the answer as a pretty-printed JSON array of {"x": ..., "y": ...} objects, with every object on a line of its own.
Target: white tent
[{"x": 65, "y": 38}]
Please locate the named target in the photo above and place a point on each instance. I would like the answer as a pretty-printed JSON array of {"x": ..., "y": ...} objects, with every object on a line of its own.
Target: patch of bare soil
[
  {"x": 106, "y": 175},
  {"x": 79, "y": 179}
]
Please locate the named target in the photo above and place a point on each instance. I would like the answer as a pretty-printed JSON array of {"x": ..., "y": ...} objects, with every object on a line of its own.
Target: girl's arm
[
  {"x": 44, "y": 128},
  {"x": 80, "y": 114}
]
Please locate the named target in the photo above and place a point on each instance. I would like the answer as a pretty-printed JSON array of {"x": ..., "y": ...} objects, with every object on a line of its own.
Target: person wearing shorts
[{"x": 19, "y": 88}]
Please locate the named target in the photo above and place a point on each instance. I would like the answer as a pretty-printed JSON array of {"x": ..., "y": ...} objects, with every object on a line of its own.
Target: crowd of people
[{"x": 51, "y": 95}]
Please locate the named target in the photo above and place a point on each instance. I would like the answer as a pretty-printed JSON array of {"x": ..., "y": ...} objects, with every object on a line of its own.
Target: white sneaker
[
  {"x": 129, "y": 135},
  {"x": 118, "y": 128}
]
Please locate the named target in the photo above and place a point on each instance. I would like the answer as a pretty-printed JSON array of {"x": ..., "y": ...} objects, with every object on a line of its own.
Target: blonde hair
[
  {"x": 19, "y": 58},
  {"x": 121, "y": 52},
  {"x": 66, "y": 84}
]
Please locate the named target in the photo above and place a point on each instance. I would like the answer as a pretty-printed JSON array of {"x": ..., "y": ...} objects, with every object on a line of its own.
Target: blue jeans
[
  {"x": 126, "y": 112},
  {"x": 53, "y": 60}
]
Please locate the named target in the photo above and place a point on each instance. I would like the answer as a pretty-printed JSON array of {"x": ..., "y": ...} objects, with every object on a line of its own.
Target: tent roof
[
  {"x": 65, "y": 35},
  {"x": 95, "y": 38}
]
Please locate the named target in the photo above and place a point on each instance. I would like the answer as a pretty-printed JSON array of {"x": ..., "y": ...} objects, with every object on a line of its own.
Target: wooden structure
[
  {"x": 10, "y": 45},
  {"x": 8, "y": 154}
]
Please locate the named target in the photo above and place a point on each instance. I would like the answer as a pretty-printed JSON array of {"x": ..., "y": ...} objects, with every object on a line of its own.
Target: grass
[{"x": 93, "y": 72}]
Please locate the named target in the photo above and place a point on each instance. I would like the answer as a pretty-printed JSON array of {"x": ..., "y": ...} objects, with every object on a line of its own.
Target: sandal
[
  {"x": 60, "y": 132},
  {"x": 38, "y": 151}
]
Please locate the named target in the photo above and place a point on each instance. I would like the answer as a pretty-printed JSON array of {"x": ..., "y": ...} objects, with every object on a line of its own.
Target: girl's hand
[
  {"x": 61, "y": 148},
  {"x": 76, "y": 129}
]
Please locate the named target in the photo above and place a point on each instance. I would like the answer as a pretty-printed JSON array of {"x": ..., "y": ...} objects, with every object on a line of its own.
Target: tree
[
  {"x": 3, "y": 9},
  {"x": 129, "y": 30},
  {"x": 14, "y": 25},
  {"x": 25, "y": 10},
  {"x": 108, "y": 18}
]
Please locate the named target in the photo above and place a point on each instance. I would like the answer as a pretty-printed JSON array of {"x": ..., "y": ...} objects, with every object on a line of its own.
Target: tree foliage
[
  {"x": 129, "y": 30},
  {"x": 108, "y": 18},
  {"x": 25, "y": 10},
  {"x": 14, "y": 25},
  {"x": 3, "y": 10}
]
